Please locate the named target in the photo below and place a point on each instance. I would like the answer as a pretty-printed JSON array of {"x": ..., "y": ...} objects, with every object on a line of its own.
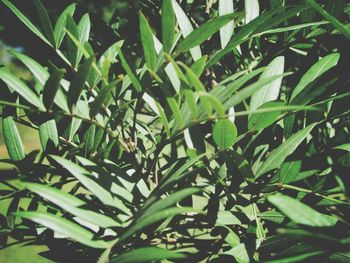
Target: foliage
[{"x": 216, "y": 132}]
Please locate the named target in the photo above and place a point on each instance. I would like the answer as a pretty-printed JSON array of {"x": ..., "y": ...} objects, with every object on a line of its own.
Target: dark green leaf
[
  {"x": 45, "y": 21},
  {"x": 148, "y": 43},
  {"x": 168, "y": 25}
]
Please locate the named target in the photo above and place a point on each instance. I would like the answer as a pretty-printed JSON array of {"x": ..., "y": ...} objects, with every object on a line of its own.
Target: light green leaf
[
  {"x": 186, "y": 28},
  {"x": 168, "y": 25},
  {"x": 205, "y": 31},
  {"x": 59, "y": 30},
  {"x": 83, "y": 35},
  {"x": 48, "y": 134},
  {"x": 21, "y": 88},
  {"x": 299, "y": 212},
  {"x": 344, "y": 147},
  {"x": 226, "y": 32},
  {"x": 176, "y": 111},
  {"x": 26, "y": 21},
  {"x": 134, "y": 80},
  {"x": 224, "y": 133},
  {"x": 71, "y": 204},
  {"x": 319, "y": 68},
  {"x": 259, "y": 121},
  {"x": 12, "y": 139},
  {"x": 40, "y": 73},
  {"x": 64, "y": 227},
  {"x": 270, "y": 91},
  {"x": 86, "y": 179},
  {"x": 45, "y": 21},
  {"x": 148, "y": 43},
  {"x": 277, "y": 156},
  {"x": 147, "y": 254}
]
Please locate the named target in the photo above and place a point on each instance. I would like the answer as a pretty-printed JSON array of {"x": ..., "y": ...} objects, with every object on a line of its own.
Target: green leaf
[
  {"x": 86, "y": 179},
  {"x": 72, "y": 49},
  {"x": 241, "y": 36},
  {"x": 12, "y": 139},
  {"x": 48, "y": 134},
  {"x": 319, "y": 68},
  {"x": 168, "y": 201},
  {"x": 45, "y": 21},
  {"x": 21, "y": 88},
  {"x": 40, "y": 73},
  {"x": 252, "y": 10},
  {"x": 224, "y": 133},
  {"x": 147, "y": 254},
  {"x": 250, "y": 90},
  {"x": 299, "y": 212},
  {"x": 168, "y": 25},
  {"x": 59, "y": 30},
  {"x": 226, "y": 32},
  {"x": 186, "y": 28},
  {"x": 335, "y": 22},
  {"x": 78, "y": 82},
  {"x": 83, "y": 35},
  {"x": 52, "y": 85},
  {"x": 258, "y": 121},
  {"x": 205, "y": 31},
  {"x": 176, "y": 111},
  {"x": 89, "y": 139},
  {"x": 64, "y": 227},
  {"x": 148, "y": 43},
  {"x": 101, "y": 98},
  {"x": 152, "y": 219},
  {"x": 344, "y": 147},
  {"x": 26, "y": 21},
  {"x": 270, "y": 91},
  {"x": 134, "y": 80},
  {"x": 71, "y": 204},
  {"x": 277, "y": 156}
]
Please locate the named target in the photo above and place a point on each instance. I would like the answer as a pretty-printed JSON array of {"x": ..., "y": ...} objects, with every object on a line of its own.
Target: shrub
[{"x": 216, "y": 132}]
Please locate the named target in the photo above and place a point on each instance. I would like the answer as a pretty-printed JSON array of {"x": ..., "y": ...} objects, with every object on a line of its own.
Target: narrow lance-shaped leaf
[
  {"x": 72, "y": 49},
  {"x": 259, "y": 121},
  {"x": 40, "y": 73},
  {"x": 134, "y": 80},
  {"x": 78, "y": 82},
  {"x": 186, "y": 28},
  {"x": 26, "y": 21},
  {"x": 71, "y": 204},
  {"x": 252, "y": 10},
  {"x": 21, "y": 88},
  {"x": 52, "y": 85},
  {"x": 101, "y": 98},
  {"x": 147, "y": 254},
  {"x": 12, "y": 139},
  {"x": 152, "y": 219},
  {"x": 65, "y": 227},
  {"x": 148, "y": 43},
  {"x": 315, "y": 71},
  {"x": 224, "y": 133},
  {"x": 205, "y": 31},
  {"x": 59, "y": 30},
  {"x": 83, "y": 35},
  {"x": 86, "y": 179},
  {"x": 45, "y": 21},
  {"x": 277, "y": 156},
  {"x": 48, "y": 134},
  {"x": 168, "y": 25},
  {"x": 299, "y": 212},
  {"x": 226, "y": 32},
  {"x": 270, "y": 91}
]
